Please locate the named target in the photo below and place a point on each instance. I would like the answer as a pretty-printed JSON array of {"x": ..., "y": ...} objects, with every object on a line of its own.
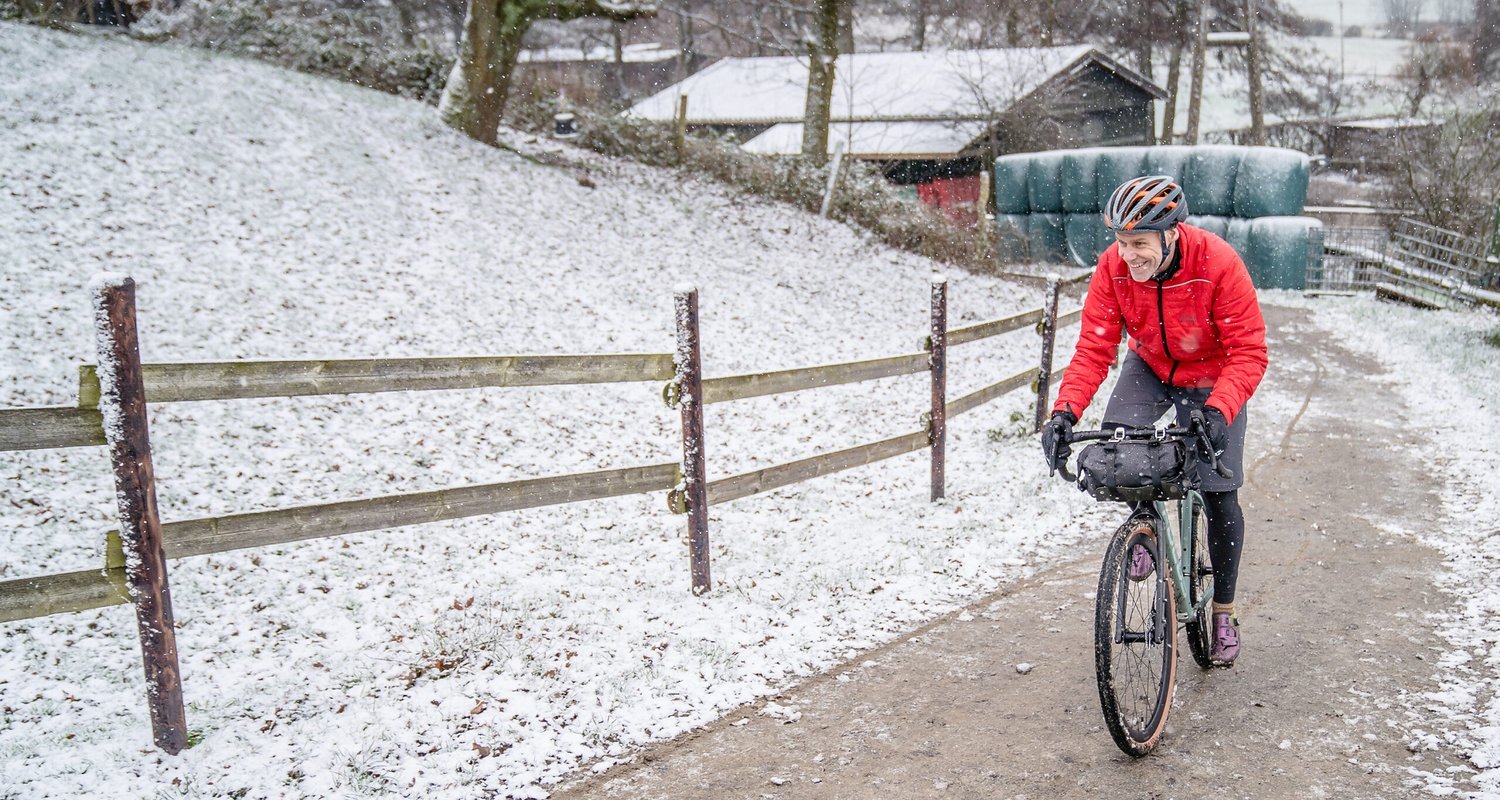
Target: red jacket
[{"x": 1201, "y": 327}]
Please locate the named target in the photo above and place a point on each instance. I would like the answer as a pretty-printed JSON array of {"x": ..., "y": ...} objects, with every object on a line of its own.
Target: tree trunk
[
  {"x": 919, "y": 25},
  {"x": 1200, "y": 48},
  {"x": 823, "y": 52},
  {"x": 617, "y": 68},
  {"x": 685, "y": 40},
  {"x": 474, "y": 97},
  {"x": 846, "y": 26},
  {"x": 1252, "y": 58},
  {"x": 1174, "y": 71}
]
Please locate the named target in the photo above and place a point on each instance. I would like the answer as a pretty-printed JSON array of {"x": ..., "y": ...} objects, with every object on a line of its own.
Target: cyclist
[{"x": 1197, "y": 342}]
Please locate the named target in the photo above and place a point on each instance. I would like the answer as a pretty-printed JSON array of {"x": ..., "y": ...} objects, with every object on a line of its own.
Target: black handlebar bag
[{"x": 1136, "y": 471}]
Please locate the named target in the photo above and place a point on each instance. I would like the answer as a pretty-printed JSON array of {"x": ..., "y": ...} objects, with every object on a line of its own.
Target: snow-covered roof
[
  {"x": 875, "y": 139},
  {"x": 928, "y": 85},
  {"x": 630, "y": 53},
  {"x": 1387, "y": 123}
]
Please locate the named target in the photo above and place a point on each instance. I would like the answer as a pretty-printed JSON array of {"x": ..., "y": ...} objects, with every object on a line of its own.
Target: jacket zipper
[{"x": 1161, "y": 318}]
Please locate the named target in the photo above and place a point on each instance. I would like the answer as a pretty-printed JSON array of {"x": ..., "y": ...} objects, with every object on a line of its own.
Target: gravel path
[{"x": 1336, "y": 652}]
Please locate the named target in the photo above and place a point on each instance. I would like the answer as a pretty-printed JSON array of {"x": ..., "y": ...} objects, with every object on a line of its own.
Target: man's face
[{"x": 1142, "y": 252}]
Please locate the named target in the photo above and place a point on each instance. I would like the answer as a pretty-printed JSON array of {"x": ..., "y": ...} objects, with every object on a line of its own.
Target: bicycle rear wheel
[
  {"x": 1201, "y": 590},
  {"x": 1135, "y": 641}
]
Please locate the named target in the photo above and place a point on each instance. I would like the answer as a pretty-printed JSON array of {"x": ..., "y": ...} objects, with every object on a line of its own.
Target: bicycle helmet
[{"x": 1150, "y": 203}]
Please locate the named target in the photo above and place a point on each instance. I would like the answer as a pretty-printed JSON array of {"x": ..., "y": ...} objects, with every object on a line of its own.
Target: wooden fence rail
[
  {"x": 236, "y": 380},
  {"x": 746, "y": 484},
  {"x": 741, "y": 387},
  {"x": 50, "y": 428}
]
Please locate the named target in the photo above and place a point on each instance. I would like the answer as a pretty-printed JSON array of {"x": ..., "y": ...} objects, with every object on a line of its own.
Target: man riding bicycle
[{"x": 1197, "y": 342}]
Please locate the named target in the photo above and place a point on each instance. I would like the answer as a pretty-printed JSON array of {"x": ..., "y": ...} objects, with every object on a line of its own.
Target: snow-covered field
[{"x": 268, "y": 214}]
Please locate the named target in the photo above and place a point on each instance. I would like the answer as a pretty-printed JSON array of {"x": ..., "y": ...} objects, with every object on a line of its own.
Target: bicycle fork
[{"x": 1158, "y": 632}]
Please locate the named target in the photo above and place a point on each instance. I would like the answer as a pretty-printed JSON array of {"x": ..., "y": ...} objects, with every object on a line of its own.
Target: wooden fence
[
  {"x": 111, "y": 411},
  {"x": 690, "y": 391}
]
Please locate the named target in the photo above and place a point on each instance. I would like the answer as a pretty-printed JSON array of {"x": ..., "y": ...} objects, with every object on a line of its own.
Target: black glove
[
  {"x": 1057, "y": 434},
  {"x": 1214, "y": 424}
]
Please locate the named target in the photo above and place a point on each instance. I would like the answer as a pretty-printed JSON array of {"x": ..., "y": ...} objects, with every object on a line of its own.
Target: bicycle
[{"x": 1136, "y": 618}]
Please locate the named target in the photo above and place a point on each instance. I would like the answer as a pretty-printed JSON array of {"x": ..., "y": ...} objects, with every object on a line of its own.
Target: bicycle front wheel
[
  {"x": 1135, "y": 638},
  {"x": 1201, "y": 592}
]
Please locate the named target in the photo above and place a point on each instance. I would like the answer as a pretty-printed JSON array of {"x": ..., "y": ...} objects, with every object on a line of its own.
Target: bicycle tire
[
  {"x": 1137, "y": 673},
  {"x": 1201, "y": 585}
]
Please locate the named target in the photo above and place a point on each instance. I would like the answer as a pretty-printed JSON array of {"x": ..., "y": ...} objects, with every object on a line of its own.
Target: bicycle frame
[{"x": 1177, "y": 545}]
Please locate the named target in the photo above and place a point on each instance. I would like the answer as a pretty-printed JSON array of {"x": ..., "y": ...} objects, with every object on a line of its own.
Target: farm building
[{"x": 931, "y": 119}]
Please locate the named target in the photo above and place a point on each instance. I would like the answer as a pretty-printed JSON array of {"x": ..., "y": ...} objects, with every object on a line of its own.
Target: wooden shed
[{"x": 932, "y": 119}]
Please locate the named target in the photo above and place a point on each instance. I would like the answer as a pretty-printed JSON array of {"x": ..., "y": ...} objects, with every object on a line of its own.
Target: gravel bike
[{"x": 1136, "y": 613}]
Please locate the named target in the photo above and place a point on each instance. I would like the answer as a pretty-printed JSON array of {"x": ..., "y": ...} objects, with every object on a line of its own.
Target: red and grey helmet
[{"x": 1150, "y": 203}]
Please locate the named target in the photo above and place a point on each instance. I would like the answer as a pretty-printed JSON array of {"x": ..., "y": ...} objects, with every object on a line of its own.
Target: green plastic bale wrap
[
  {"x": 1044, "y": 183},
  {"x": 1116, "y": 166},
  {"x": 1087, "y": 238},
  {"x": 1271, "y": 182},
  {"x": 1047, "y": 238},
  {"x": 1170, "y": 160},
  {"x": 1218, "y": 226},
  {"x": 1079, "y": 180},
  {"x": 1237, "y": 233},
  {"x": 1011, "y": 236},
  {"x": 1010, "y": 184},
  {"x": 1279, "y": 249},
  {"x": 1209, "y": 182}
]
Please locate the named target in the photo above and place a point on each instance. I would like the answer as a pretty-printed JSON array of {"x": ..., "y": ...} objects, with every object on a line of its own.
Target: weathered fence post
[
  {"x": 123, "y": 405},
  {"x": 833, "y": 178},
  {"x": 1049, "y": 336},
  {"x": 679, "y": 129},
  {"x": 937, "y": 430},
  {"x": 690, "y": 386}
]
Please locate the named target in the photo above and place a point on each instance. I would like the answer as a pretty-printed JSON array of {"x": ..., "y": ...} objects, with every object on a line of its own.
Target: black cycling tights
[{"x": 1226, "y": 537}]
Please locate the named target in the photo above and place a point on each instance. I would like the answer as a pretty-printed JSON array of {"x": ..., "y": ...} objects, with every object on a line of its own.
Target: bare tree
[
  {"x": 822, "y": 56},
  {"x": 1401, "y": 16},
  {"x": 1486, "y": 39},
  {"x": 1446, "y": 174},
  {"x": 475, "y": 94}
]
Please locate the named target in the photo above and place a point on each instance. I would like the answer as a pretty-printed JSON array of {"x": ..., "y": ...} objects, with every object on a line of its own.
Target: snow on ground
[
  {"x": 267, "y": 214},
  {"x": 273, "y": 215},
  {"x": 1446, "y": 365}
]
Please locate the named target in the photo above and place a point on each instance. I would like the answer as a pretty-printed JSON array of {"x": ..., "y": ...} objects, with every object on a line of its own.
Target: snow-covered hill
[{"x": 271, "y": 214}]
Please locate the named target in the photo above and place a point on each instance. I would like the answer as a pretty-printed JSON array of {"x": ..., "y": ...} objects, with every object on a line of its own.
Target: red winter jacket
[{"x": 1201, "y": 327}]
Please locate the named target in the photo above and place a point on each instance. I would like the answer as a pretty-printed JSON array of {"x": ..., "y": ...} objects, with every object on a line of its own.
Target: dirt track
[{"x": 1333, "y": 611}]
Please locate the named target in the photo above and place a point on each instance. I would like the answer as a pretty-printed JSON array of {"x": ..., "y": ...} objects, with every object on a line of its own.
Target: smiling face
[{"x": 1143, "y": 252}]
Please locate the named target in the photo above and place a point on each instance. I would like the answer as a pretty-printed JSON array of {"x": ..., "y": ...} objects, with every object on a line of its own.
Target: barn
[{"x": 930, "y": 119}]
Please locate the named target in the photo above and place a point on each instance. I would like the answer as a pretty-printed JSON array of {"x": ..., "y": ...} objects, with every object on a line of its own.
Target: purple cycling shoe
[
  {"x": 1141, "y": 562},
  {"x": 1226, "y": 640}
]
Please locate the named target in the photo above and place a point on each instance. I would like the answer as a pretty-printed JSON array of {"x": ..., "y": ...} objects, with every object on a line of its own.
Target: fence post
[
  {"x": 123, "y": 404},
  {"x": 690, "y": 385},
  {"x": 679, "y": 129},
  {"x": 833, "y": 178},
  {"x": 1049, "y": 336},
  {"x": 937, "y": 430}
]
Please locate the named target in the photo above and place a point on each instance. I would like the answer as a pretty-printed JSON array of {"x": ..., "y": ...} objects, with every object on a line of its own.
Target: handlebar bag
[{"x": 1133, "y": 471}]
